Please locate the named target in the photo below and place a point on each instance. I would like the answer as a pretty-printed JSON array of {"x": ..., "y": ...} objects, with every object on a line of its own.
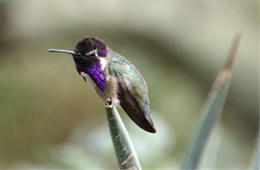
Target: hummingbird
[{"x": 115, "y": 79}]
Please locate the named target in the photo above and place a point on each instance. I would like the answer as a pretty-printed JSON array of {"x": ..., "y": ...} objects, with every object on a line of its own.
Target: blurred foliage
[
  {"x": 256, "y": 158},
  {"x": 211, "y": 111},
  {"x": 50, "y": 118}
]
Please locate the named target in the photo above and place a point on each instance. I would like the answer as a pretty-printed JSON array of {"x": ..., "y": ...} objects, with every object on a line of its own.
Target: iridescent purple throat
[{"x": 95, "y": 72}]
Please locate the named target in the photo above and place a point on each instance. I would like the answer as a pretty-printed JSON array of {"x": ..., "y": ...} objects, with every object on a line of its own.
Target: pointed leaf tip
[
  {"x": 233, "y": 51},
  {"x": 211, "y": 111}
]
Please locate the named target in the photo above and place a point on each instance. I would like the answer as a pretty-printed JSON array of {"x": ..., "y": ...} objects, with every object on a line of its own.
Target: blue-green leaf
[
  {"x": 124, "y": 149},
  {"x": 211, "y": 111}
]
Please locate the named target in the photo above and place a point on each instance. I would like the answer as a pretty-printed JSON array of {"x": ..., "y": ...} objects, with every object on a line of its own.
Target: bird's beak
[{"x": 63, "y": 51}]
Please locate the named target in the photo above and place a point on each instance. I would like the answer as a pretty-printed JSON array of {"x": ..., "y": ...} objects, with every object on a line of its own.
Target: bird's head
[
  {"x": 91, "y": 47},
  {"x": 87, "y": 50},
  {"x": 90, "y": 57}
]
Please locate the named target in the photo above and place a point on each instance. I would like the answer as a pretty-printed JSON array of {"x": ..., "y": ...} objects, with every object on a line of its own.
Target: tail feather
[
  {"x": 144, "y": 122},
  {"x": 132, "y": 108}
]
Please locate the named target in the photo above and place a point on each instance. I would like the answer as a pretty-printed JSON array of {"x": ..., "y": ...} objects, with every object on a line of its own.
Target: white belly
[{"x": 112, "y": 93}]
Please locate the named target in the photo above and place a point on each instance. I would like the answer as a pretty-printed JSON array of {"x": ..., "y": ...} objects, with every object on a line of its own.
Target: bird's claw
[{"x": 109, "y": 103}]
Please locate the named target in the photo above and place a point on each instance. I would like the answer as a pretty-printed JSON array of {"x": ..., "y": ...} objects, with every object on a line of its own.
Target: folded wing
[{"x": 132, "y": 92}]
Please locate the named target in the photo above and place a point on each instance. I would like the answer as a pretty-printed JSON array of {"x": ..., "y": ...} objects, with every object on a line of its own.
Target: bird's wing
[{"x": 132, "y": 92}]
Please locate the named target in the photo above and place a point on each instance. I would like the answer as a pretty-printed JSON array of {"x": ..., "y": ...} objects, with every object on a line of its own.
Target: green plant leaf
[
  {"x": 256, "y": 159},
  {"x": 211, "y": 111},
  {"x": 124, "y": 149}
]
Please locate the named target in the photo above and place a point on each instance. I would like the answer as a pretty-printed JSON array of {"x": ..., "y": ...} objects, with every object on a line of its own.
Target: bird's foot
[{"x": 109, "y": 103}]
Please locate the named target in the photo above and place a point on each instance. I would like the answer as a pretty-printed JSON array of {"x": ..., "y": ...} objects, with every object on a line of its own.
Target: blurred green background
[{"x": 50, "y": 118}]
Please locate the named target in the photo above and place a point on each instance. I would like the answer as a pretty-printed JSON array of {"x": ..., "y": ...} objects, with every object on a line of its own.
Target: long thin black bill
[{"x": 62, "y": 51}]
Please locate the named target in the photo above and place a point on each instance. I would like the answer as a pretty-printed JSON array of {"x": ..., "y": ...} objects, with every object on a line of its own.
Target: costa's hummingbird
[{"x": 115, "y": 79}]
